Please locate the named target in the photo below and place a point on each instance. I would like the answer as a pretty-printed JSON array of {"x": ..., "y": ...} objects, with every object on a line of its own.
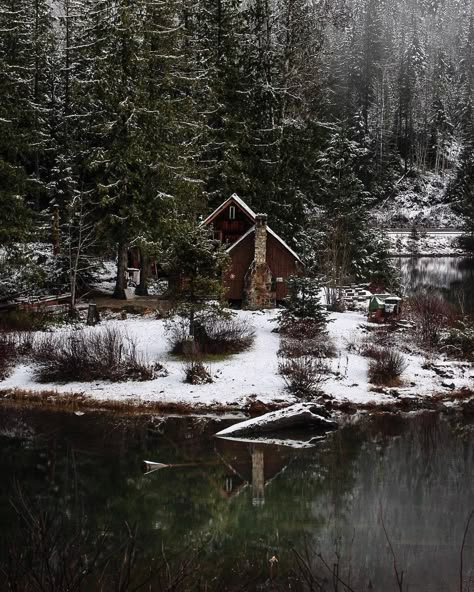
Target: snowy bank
[{"x": 251, "y": 376}]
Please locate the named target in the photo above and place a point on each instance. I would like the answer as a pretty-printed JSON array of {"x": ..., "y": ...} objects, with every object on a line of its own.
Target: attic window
[{"x": 232, "y": 213}]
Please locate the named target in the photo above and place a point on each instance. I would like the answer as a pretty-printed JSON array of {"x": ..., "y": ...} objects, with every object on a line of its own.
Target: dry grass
[
  {"x": 386, "y": 366},
  {"x": 80, "y": 402}
]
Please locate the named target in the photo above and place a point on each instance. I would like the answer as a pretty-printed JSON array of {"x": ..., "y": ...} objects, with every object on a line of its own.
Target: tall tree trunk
[
  {"x": 142, "y": 288},
  {"x": 122, "y": 265}
]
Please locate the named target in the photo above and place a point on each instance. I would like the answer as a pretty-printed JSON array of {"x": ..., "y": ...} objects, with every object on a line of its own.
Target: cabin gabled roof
[{"x": 234, "y": 198}]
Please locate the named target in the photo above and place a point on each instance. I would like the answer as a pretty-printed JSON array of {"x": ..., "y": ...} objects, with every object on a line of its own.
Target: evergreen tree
[
  {"x": 197, "y": 264},
  {"x": 303, "y": 302}
]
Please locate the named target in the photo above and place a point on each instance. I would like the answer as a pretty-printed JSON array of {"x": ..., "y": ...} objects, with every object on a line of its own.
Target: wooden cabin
[{"x": 261, "y": 261}]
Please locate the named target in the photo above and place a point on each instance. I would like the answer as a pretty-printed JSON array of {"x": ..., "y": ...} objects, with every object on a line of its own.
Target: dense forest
[{"x": 121, "y": 118}]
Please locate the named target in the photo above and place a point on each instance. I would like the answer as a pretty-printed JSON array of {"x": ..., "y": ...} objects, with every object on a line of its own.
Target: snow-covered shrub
[
  {"x": 459, "y": 340},
  {"x": 196, "y": 373},
  {"x": 103, "y": 354},
  {"x": 432, "y": 315},
  {"x": 213, "y": 334},
  {"x": 386, "y": 366},
  {"x": 303, "y": 375}
]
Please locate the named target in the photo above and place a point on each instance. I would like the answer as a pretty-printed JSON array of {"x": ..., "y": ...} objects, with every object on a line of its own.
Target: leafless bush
[
  {"x": 197, "y": 373},
  {"x": 302, "y": 329},
  {"x": 213, "y": 335},
  {"x": 431, "y": 315},
  {"x": 104, "y": 354},
  {"x": 303, "y": 375},
  {"x": 321, "y": 346},
  {"x": 8, "y": 354},
  {"x": 386, "y": 366}
]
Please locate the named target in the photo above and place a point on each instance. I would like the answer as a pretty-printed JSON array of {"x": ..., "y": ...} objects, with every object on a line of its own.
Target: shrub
[
  {"x": 386, "y": 366},
  {"x": 460, "y": 339},
  {"x": 432, "y": 315},
  {"x": 8, "y": 354},
  {"x": 196, "y": 373},
  {"x": 302, "y": 329},
  {"x": 25, "y": 320},
  {"x": 212, "y": 335},
  {"x": 105, "y": 354},
  {"x": 303, "y": 375},
  {"x": 321, "y": 346}
]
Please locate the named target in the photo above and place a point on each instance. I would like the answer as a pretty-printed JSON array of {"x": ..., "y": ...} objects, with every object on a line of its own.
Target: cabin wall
[
  {"x": 241, "y": 258},
  {"x": 281, "y": 263}
]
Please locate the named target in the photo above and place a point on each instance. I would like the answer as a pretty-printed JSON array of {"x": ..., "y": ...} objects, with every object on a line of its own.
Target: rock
[{"x": 295, "y": 416}]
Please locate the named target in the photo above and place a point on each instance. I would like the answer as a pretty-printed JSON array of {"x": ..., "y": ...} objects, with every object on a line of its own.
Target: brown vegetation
[
  {"x": 386, "y": 366},
  {"x": 431, "y": 315},
  {"x": 213, "y": 335},
  {"x": 102, "y": 354}
]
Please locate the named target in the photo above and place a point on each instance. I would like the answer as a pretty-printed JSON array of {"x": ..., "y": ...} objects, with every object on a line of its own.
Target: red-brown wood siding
[
  {"x": 241, "y": 258},
  {"x": 281, "y": 262},
  {"x": 231, "y": 230}
]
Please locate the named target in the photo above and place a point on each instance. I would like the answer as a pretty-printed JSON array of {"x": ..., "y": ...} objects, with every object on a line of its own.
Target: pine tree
[
  {"x": 25, "y": 83},
  {"x": 196, "y": 263},
  {"x": 303, "y": 302}
]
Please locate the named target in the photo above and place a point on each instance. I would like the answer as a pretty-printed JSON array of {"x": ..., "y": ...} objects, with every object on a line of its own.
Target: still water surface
[
  {"x": 240, "y": 503},
  {"x": 451, "y": 276}
]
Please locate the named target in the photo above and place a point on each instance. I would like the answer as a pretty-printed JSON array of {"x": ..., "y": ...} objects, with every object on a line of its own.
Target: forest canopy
[{"x": 123, "y": 115}]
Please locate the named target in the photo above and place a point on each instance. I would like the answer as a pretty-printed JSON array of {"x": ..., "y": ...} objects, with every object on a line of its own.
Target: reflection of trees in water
[
  {"x": 453, "y": 277},
  {"x": 421, "y": 480},
  {"x": 329, "y": 495}
]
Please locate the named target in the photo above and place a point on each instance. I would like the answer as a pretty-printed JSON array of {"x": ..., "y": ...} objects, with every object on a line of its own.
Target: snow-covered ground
[{"x": 254, "y": 372}]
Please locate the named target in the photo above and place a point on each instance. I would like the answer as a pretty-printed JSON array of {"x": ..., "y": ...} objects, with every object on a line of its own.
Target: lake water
[
  {"x": 451, "y": 276},
  {"x": 218, "y": 516}
]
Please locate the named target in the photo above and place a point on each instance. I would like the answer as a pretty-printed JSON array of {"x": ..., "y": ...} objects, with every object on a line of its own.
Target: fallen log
[{"x": 296, "y": 416}]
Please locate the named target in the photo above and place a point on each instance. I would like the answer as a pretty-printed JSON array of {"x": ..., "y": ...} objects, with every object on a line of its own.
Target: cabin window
[{"x": 232, "y": 213}]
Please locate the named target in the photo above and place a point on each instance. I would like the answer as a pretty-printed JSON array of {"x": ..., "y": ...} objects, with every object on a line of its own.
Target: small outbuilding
[
  {"x": 261, "y": 261},
  {"x": 384, "y": 307}
]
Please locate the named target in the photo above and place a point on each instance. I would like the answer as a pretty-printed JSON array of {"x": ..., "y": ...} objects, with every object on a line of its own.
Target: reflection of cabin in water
[
  {"x": 261, "y": 261},
  {"x": 252, "y": 465}
]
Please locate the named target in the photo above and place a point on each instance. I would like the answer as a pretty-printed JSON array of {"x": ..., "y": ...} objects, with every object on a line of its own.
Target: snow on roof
[
  {"x": 273, "y": 233},
  {"x": 248, "y": 210},
  {"x": 234, "y": 197},
  {"x": 280, "y": 240}
]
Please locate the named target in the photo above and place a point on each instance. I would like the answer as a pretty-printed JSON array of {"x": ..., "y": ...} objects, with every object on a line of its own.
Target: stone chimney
[
  {"x": 260, "y": 239},
  {"x": 258, "y": 279}
]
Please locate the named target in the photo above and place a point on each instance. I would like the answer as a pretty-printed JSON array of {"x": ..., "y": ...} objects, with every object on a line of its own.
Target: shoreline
[{"x": 461, "y": 400}]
